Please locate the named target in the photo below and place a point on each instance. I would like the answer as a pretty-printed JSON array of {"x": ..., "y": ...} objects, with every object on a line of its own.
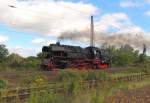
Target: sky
[{"x": 27, "y": 25}]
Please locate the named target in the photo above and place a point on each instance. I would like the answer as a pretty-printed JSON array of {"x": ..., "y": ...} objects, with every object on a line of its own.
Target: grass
[
  {"x": 73, "y": 92},
  {"x": 3, "y": 84},
  {"x": 67, "y": 75},
  {"x": 109, "y": 89},
  {"x": 123, "y": 74},
  {"x": 94, "y": 95},
  {"x": 26, "y": 78},
  {"x": 8, "y": 68}
]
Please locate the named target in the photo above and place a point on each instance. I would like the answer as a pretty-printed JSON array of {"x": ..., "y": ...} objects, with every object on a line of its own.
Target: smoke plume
[{"x": 134, "y": 39}]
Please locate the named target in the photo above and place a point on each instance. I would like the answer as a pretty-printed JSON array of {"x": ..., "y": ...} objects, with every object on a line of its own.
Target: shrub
[
  {"x": 73, "y": 87},
  {"x": 67, "y": 76},
  {"x": 2, "y": 84},
  {"x": 96, "y": 75},
  {"x": 37, "y": 80}
]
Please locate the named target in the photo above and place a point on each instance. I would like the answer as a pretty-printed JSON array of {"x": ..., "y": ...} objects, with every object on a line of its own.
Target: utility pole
[{"x": 92, "y": 32}]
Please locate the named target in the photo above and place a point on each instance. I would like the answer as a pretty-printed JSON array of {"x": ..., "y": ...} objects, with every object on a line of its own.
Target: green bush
[
  {"x": 80, "y": 75},
  {"x": 37, "y": 80},
  {"x": 96, "y": 75},
  {"x": 2, "y": 84},
  {"x": 67, "y": 76},
  {"x": 32, "y": 62},
  {"x": 15, "y": 60}
]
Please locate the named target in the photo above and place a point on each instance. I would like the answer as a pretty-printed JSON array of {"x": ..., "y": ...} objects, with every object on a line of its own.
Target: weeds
[
  {"x": 94, "y": 95},
  {"x": 73, "y": 92},
  {"x": 3, "y": 84},
  {"x": 82, "y": 75}
]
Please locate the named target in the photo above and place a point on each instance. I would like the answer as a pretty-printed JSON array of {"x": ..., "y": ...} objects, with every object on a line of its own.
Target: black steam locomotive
[{"x": 59, "y": 56}]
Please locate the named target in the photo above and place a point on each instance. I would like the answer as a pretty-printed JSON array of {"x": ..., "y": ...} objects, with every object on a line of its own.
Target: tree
[
  {"x": 3, "y": 53},
  {"x": 142, "y": 58},
  {"x": 123, "y": 56},
  {"x": 40, "y": 55},
  {"x": 15, "y": 59},
  {"x": 32, "y": 61}
]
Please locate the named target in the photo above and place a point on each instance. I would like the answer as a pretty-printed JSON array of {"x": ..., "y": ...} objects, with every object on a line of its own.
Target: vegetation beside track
[
  {"x": 25, "y": 78},
  {"x": 74, "y": 92},
  {"x": 93, "y": 95}
]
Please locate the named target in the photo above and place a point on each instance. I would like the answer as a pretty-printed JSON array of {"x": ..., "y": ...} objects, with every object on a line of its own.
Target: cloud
[
  {"x": 125, "y": 32},
  {"x": 147, "y": 1},
  {"x": 42, "y": 41},
  {"x": 44, "y": 16},
  {"x": 134, "y": 39},
  {"x": 38, "y": 41},
  {"x": 53, "y": 18},
  {"x": 48, "y": 42},
  {"x": 147, "y": 13},
  {"x": 3, "y": 38},
  {"x": 129, "y": 3},
  {"x": 31, "y": 51},
  {"x": 25, "y": 52},
  {"x": 119, "y": 22},
  {"x": 114, "y": 20}
]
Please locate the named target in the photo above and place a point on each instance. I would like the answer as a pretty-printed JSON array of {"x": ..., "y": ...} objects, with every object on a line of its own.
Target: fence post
[{"x": 0, "y": 96}]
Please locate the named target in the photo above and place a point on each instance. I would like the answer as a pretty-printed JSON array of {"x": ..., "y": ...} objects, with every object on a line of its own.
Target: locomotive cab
[
  {"x": 100, "y": 57},
  {"x": 94, "y": 52}
]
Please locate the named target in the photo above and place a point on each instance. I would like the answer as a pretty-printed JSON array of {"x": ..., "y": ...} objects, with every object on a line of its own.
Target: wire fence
[{"x": 11, "y": 95}]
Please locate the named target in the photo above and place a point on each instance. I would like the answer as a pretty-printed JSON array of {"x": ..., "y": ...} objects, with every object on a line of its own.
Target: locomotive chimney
[{"x": 92, "y": 32}]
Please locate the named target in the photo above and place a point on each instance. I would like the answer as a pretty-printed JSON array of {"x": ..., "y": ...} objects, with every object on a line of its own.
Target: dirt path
[{"x": 141, "y": 95}]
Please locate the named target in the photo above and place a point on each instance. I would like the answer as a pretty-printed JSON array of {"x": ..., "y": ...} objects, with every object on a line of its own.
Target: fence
[{"x": 10, "y": 96}]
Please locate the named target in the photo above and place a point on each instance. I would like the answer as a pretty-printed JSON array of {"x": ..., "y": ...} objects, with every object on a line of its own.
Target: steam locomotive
[{"x": 58, "y": 56}]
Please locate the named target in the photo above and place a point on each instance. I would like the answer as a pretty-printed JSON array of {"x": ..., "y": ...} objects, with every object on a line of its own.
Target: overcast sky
[{"x": 27, "y": 25}]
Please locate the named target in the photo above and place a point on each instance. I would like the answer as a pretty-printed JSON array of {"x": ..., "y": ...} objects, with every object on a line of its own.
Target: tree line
[
  {"x": 14, "y": 60},
  {"x": 124, "y": 55}
]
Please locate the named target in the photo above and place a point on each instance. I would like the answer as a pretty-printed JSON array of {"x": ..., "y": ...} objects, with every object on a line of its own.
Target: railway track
[
  {"x": 13, "y": 74},
  {"x": 12, "y": 95}
]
